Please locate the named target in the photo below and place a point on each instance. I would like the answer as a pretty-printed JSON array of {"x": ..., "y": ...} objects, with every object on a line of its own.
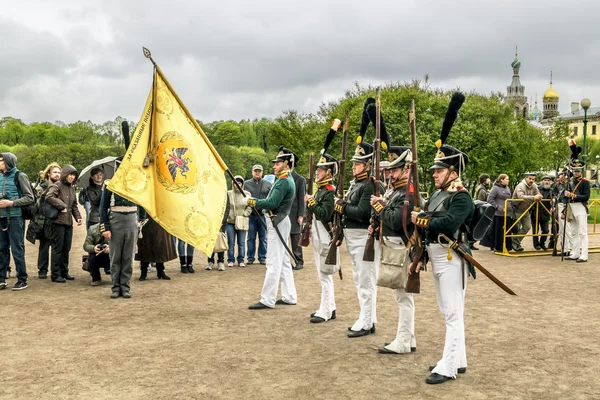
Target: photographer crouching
[{"x": 97, "y": 247}]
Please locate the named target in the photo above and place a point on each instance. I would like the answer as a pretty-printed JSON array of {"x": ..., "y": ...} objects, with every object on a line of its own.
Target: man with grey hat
[
  {"x": 541, "y": 214},
  {"x": 528, "y": 192},
  {"x": 259, "y": 189}
]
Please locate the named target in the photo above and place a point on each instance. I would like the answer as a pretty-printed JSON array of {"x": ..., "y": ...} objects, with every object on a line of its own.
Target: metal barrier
[{"x": 535, "y": 227}]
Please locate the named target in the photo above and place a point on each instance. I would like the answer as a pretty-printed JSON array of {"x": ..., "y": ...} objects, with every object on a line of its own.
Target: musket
[
  {"x": 413, "y": 283},
  {"x": 337, "y": 233},
  {"x": 456, "y": 247},
  {"x": 369, "y": 254},
  {"x": 305, "y": 239}
]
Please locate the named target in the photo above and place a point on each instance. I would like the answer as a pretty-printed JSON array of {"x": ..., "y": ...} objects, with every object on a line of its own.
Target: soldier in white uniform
[
  {"x": 390, "y": 209},
  {"x": 321, "y": 205},
  {"x": 277, "y": 207},
  {"x": 578, "y": 194}
]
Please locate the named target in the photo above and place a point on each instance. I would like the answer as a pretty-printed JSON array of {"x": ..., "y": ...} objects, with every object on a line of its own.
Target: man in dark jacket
[
  {"x": 62, "y": 196},
  {"x": 297, "y": 216},
  {"x": 541, "y": 214},
  {"x": 94, "y": 194},
  {"x": 259, "y": 189},
  {"x": 15, "y": 192}
]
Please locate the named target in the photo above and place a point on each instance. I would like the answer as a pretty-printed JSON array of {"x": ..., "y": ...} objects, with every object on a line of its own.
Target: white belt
[{"x": 124, "y": 209}]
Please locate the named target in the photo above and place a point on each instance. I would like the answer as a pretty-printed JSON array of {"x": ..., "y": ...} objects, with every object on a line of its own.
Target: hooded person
[
  {"x": 576, "y": 210},
  {"x": 446, "y": 212},
  {"x": 62, "y": 196},
  {"x": 15, "y": 192},
  {"x": 119, "y": 224}
]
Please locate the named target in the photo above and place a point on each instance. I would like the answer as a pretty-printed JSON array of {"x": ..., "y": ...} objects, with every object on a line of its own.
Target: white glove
[{"x": 245, "y": 200}]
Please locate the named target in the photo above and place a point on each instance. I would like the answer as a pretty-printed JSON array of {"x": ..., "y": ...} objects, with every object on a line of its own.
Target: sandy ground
[{"x": 194, "y": 337}]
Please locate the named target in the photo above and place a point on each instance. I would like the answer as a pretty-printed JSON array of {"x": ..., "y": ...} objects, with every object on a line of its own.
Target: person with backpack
[
  {"x": 62, "y": 196},
  {"x": 51, "y": 175},
  {"x": 15, "y": 195}
]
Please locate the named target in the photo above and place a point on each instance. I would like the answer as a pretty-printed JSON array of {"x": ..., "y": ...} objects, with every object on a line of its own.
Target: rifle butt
[
  {"x": 305, "y": 238},
  {"x": 331, "y": 258},
  {"x": 369, "y": 254},
  {"x": 413, "y": 284}
]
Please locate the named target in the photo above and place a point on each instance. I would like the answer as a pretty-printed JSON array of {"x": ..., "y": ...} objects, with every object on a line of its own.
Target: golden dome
[{"x": 550, "y": 94}]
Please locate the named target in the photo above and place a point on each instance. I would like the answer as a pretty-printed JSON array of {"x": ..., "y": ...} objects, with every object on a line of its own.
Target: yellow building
[{"x": 575, "y": 119}]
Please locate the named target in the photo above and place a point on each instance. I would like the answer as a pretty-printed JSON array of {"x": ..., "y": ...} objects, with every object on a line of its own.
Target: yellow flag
[{"x": 183, "y": 186}]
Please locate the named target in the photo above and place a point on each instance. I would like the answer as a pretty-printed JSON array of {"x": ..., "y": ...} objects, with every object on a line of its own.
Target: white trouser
[
  {"x": 365, "y": 277},
  {"x": 321, "y": 237},
  {"x": 578, "y": 227},
  {"x": 405, "y": 336},
  {"x": 448, "y": 281},
  {"x": 568, "y": 236},
  {"x": 279, "y": 267}
]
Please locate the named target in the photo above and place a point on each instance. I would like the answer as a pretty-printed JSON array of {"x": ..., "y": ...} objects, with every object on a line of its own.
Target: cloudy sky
[{"x": 232, "y": 59}]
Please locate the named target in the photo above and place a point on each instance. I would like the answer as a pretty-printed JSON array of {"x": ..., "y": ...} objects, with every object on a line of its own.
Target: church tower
[
  {"x": 550, "y": 101},
  {"x": 535, "y": 114},
  {"x": 515, "y": 93}
]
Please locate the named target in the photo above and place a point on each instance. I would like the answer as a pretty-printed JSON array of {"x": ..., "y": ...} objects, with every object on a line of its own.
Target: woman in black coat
[{"x": 156, "y": 245}]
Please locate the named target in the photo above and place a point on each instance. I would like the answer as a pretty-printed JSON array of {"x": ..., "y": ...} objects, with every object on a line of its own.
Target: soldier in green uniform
[
  {"x": 447, "y": 212},
  {"x": 321, "y": 205},
  {"x": 390, "y": 209},
  {"x": 277, "y": 207},
  {"x": 355, "y": 210}
]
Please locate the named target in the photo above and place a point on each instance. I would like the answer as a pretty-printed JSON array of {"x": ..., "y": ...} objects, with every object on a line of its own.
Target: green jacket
[
  {"x": 94, "y": 236},
  {"x": 279, "y": 200},
  {"x": 357, "y": 211},
  {"x": 392, "y": 214},
  {"x": 323, "y": 208}
]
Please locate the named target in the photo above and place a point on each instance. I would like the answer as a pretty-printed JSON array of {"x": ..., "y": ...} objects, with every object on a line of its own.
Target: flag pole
[{"x": 148, "y": 55}]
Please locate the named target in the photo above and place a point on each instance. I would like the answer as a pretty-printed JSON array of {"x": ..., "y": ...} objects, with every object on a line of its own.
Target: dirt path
[{"x": 193, "y": 337}]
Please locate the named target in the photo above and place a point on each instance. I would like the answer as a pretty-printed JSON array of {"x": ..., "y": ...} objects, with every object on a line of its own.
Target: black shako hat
[
  {"x": 363, "y": 153},
  {"x": 287, "y": 157},
  {"x": 398, "y": 156},
  {"x": 448, "y": 156},
  {"x": 575, "y": 164}
]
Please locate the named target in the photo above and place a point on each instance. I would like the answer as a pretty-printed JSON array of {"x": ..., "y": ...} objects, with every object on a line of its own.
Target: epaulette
[
  {"x": 284, "y": 175},
  {"x": 330, "y": 187}
]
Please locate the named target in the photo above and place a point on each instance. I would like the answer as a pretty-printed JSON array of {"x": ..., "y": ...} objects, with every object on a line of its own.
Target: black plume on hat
[
  {"x": 364, "y": 124},
  {"x": 334, "y": 127},
  {"x": 575, "y": 151},
  {"x": 125, "y": 132},
  {"x": 385, "y": 139},
  {"x": 455, "y": 103}
]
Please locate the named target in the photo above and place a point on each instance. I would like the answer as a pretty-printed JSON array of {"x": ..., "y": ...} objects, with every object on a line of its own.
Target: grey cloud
[{"x": 238, "y": 59}]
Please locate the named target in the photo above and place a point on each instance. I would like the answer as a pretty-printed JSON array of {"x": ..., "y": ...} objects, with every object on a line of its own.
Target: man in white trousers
[
  {"x": 355, "y": 210},
  {"x": 390, "y": 210},
  {"x": 321, "y": 205},
  {"x": 449, "y": 210},
  {"x": 277, "y": 207},
  {"x": 578, "y": 194}
]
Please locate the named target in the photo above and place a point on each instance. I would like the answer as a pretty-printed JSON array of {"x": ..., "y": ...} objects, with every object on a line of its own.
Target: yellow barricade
[{"x": 547, "y": 205}]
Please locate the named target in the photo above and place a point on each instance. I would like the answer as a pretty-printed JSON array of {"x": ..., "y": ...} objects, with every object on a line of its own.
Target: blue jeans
[
  {"x": 181, "y": 245},
  {"x": 12, "y": 239},
  {"x": 256, "y": 227},
  {"x": 232, "y": 234}
]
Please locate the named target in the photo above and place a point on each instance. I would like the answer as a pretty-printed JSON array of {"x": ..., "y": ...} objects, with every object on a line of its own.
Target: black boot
[
  {"x": 160, "y": 272},
  {"x": 190, "y": 268},
  {"x": 144, "y": 271},
  {"x": 184, "y": 267}
]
